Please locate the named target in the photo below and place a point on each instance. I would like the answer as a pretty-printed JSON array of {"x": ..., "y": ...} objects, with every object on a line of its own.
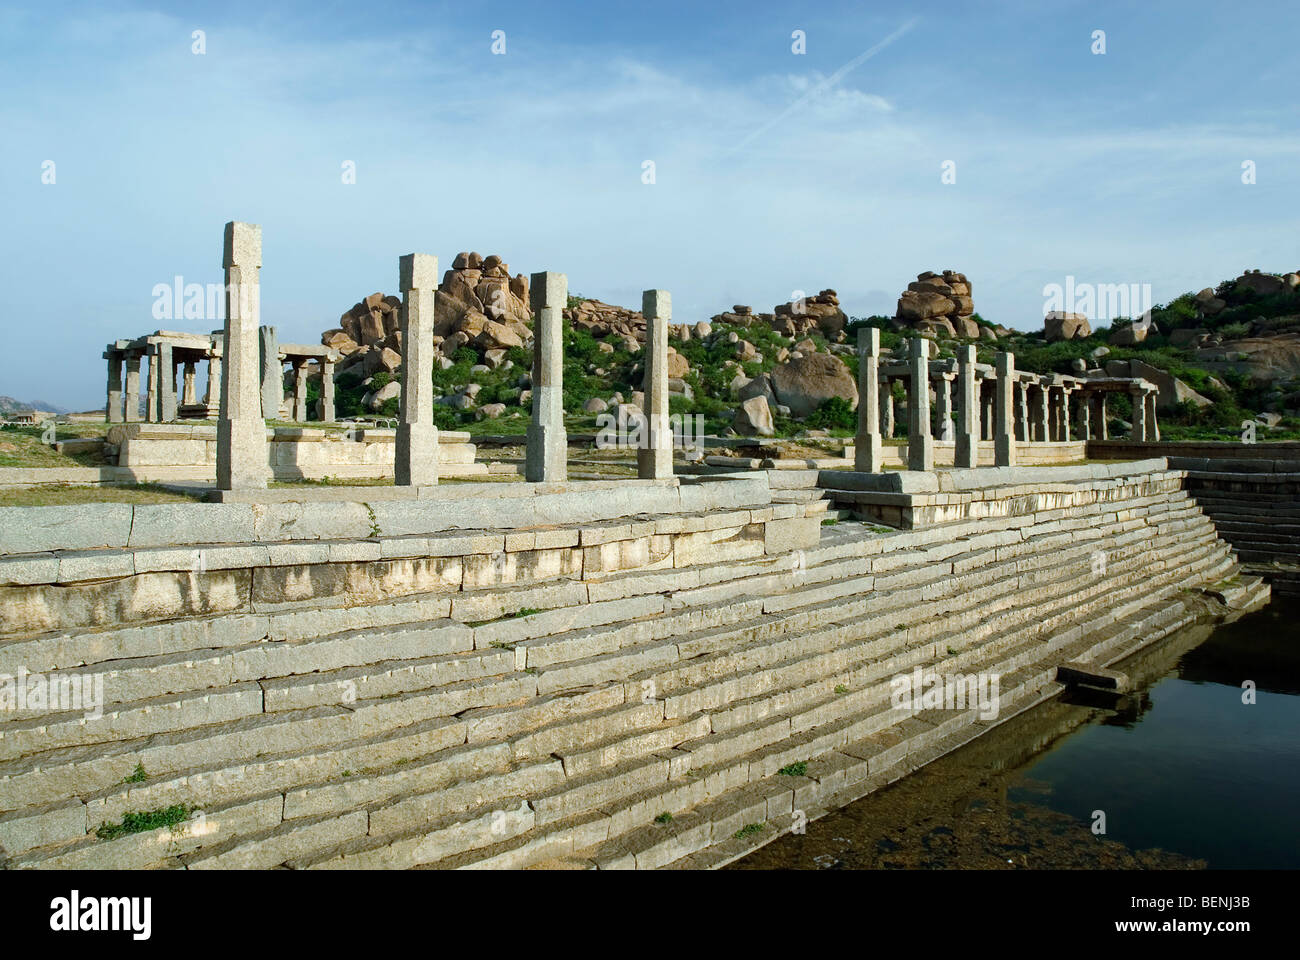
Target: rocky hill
[{"x": 1219, "y": 356}]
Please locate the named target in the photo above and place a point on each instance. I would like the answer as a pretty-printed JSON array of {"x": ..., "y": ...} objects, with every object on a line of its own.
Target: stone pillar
[
  {"x": 886, "y": 407},
  {"x": 1153, "y": 425},
  {"x": 1022, "y": 412},
  {"x": 272, "y": 372},
  {"x": 212, "y": 397},
  {"x": 327, "y": 413},
  {"x": 113, "y": 405},
  {"x": 131, "y": 396},
  {"x": 968, "y": 409},
  {"x": 654, "y": 459},
  {"x": 1085, "y": 421},
  {"x": 943, "y": 407},
  {"x": 189, "y": 388},
  {"x": 1042, "y": 431},
  {"x": 868, "y": 453},
  {"x": 416, "y": 462},
  {"x": 300, "y": 389},
  {"x": 166, "y": 382},
  {"x": 547, "y": 439},
  {"x": 1004, "y": 440},
  {"x": 242, "y": 455},
  {"x": 155, "y": 378},
  {"x": 1064, "y": 416},
  {"x": 1139, "y": 414},
  {"x": 1100, "y": 424},
  {"x": 920, "y": 444},
  {"x": 988, "y": 401}
]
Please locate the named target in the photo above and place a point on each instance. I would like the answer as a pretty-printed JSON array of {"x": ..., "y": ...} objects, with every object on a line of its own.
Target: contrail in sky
[{"x": 826, "y": 84}]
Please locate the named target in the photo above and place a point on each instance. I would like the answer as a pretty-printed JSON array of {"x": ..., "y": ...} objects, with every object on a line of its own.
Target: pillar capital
[
  {"x": 417, "y": 271},
  {"x": 243, "y": 246},
  {"x": 548, "y": 289}
]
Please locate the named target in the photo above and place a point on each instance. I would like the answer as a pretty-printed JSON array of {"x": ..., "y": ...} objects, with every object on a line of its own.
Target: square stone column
[
  {"x": 654, "y": 460},
  {"x": 1064, "y": 416},
  {"x": 272, "y": 372},
  {"x": 1138, "y": 398},
  {"x": 166, "y": 382},
  {"x": 242, "y": 455},
  {"x": 327, "y": 413},
  {"x": 1042, "y": 431},
  {"x": 1004, "y": 439},
  {"x": 886, "y": 407},
  {"x": 868, "y": 453},
  {"x": 212, "y": 396},
  {"x": 131, "y": 395},
  {"x": 1153, "y": 425},
  {"x": 299, "y": 390},
  {"x": 988, "y": 402},
  {"x": 416, "y": 461},
  {"x": 943, "y": 407},
  {"x": 1100, "y": 426},
  {"x": 113, "y": 404},
  {"x": 548, "y": 442},
  {"x": 189, "y": 387},
  {"x": 1024, "y": 426},
  {"x": 968, "y": 410},
  {"x": 920, "y": 443},
  {"x": 155, "y": 379},
  {"x": 1084, "y": 423}
]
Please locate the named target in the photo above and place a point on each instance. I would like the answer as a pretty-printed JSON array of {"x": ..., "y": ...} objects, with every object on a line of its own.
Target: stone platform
[{"x": 618, "y": 674}]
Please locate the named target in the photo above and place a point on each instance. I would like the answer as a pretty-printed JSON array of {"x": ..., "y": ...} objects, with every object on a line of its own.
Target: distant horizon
[{"x": 735, "y": 154}]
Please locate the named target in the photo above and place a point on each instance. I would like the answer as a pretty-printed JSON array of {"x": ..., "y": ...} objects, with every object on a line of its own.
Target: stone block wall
[
  {"x": 159, "y": 451},
  {"x": 1255, "y": 505},
  {"x": 508, "y": 675}
]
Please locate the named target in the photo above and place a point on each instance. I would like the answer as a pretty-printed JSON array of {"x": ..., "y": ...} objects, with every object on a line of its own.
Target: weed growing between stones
[
  {"x": 794, "y": 769},
  {"x": 143, "y": 822},
  {"x": 748, "y": 830}
]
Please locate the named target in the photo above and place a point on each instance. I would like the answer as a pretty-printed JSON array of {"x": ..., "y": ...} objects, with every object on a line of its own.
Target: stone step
[
  {"x": 1028, "y": 650},
  {"x": 454, "y": 692},
  {"x": 921, "y": 571},
  {"x": 871, "y": 763}
]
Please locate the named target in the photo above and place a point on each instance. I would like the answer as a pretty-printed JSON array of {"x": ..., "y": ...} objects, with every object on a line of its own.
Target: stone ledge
[{"x": 425, "y": 510}]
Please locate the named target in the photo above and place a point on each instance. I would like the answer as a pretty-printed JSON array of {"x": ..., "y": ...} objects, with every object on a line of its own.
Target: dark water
[{"x": 1186, "y": 774}]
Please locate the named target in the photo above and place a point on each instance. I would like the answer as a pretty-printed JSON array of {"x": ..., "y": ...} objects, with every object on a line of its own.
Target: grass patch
[
  {"x": 521, "y": 612},
  {"x": 794, "y": 769},
  {"x": 144, "y": 822},
  {"x": 840, "y": 688},
  {"x": 830, "y": 521},
  {"x": 55, "y": 496},
  {"x": 137, "y": 775},
  {"x": 748, "y": 830},
  {"x": 664, "y": 817}
]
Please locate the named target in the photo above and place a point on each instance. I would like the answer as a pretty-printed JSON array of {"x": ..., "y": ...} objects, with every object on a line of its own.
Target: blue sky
[{"x": 774, "y": 172}]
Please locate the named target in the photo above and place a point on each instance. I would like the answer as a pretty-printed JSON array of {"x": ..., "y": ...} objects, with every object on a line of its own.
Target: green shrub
[{"x": 832, "y": 413}]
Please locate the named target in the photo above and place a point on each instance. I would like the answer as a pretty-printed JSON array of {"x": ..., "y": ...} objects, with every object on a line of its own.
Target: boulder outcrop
[
  {"x": 804, "y": 384},
  {"x": 939, "y": 305}
]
